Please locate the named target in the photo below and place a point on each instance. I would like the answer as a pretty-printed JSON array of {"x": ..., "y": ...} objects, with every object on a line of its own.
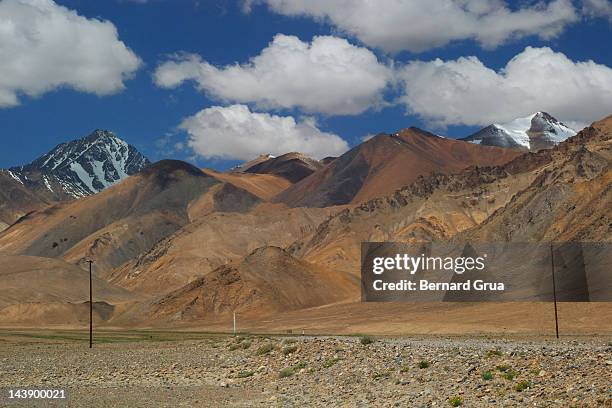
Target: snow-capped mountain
[
  {"x": 534, "y": 132},
  {"x": 81, "y": 167}
]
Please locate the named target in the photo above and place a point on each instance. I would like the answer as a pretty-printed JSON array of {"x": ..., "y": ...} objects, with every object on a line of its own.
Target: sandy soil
[{"x": 404, "y": 318}]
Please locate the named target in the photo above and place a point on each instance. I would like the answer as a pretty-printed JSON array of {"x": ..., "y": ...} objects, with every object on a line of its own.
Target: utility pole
[
  {"x": 552, "y": 265},
  {"x": 234, "y": 323},
  {"x": 90, "y": 306}
]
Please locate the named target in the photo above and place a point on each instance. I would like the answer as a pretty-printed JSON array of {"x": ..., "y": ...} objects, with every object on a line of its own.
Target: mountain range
[
  {"x": 534, "y": 132},
  {"x": 385, "y": 163},
  {"x": 175, "y": 245}
]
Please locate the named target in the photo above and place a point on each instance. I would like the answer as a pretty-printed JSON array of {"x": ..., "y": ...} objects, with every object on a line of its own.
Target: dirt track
[{"x": 219, "y": 370}]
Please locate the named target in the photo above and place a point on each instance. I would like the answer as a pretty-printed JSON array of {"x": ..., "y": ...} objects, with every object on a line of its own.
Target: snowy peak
[
  {"x": 84, "y": 166},
  {"x": 534, "y": 132}
]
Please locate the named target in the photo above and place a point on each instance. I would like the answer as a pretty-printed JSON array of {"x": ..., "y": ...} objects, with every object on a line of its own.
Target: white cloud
[
  {"x": 465, "y": 91},
  {"x": 329, "y": 76},
  {"x": 44, "y": 46},
  {"x": 597, "y": 8},
  {"x": 576, "y": 125},
  {"x": 418, "y": 25},
  {"x": 234, "y": 132}
]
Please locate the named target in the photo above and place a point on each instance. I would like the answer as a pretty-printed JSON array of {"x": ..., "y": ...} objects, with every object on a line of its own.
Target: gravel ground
[{"x": 317, "y": 371}]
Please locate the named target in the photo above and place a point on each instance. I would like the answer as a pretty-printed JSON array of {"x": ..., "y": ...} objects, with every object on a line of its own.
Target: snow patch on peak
[
  {"x": 13, "y": 175},
  {"x": 534, "y": 132},
  {"x": 517, "y": 129},
  {"x": 84, "y": 166}
]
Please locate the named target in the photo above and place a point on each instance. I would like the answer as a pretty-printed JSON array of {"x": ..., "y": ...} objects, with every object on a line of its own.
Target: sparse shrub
[
  {"x": 290, "y": 349},
  {"x": 455, "y": 401},
  {"x": 503, "y": 368},
  {"x": 233, "y": 347},
  {"x": 286, "y": 372},
  {"x": 299, "y": 365},
  {"x": 404, "y": 369},
  {"x": 289, "y": 341},
  {"x": 265, "y": 349},
  {"x": 330, "y": 362},
  {"x": 522, "y": 386},
  {"x": 487, "y": 376},
  {"x": 245, "y": 374},
  {"x": 493, "y": 353},
  {"x": 510, "y": 375},
  {"x": 423, "y": 364},
  {"x": 377, "y": 376},
  {"x": 245, "y": 344},
  {"x": 365, "y": 340}
]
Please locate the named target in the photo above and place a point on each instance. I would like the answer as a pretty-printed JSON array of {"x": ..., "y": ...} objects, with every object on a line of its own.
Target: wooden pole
[
  {"x": 552, "y": 265},
  {"x": 90, "y": 307},
  {"x": 234, "y": 323}
]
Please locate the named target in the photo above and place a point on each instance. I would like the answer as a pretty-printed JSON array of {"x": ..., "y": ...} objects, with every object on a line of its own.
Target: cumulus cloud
[
  {"x": 235, "y": 132},
  {"x": 598, "y": 8},
  {"x": 418, "y": 25},
  {"x": 44, "y": 46},
  {"x": 328, "y": 75},
  {"x": 465, "y": 91}
]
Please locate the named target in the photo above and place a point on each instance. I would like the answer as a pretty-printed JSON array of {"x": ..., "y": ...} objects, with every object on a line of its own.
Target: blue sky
[{"x": 149, "y": 115}]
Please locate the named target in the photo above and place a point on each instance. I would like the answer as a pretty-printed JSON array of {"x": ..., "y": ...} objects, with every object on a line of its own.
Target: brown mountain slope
[
  {"x": 291, "y": 166},
  {"x": 268, "y": 280},
  {"x": 42, "y": 291},
  {"x": 385, "y": 163},
  {"x": 432, "y": 208},
  {"x": 16, "y": 200},
  {"x": 563, "y": 193},
  {"x": 29, "y": 279},
  {"x": 264, "y": 186},
  {"x": 569, "y": 200},
  {"x": 122, "y": 221},
  {"x": 211, "y": 241},
  {"x": 246, "y": 165}
]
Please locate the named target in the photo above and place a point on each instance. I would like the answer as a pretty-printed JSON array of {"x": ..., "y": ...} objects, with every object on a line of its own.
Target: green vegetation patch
[
  {"x": 503, "y": 368},
  {"x": 330, "y": 362},
  {"x": 378, "y": 376},
  {"x": 299, "y": 365},
  {"x": 286, "y": 372},
  {"x": 245, "y": 374},
  {"x": 265, "y": 349},
  {"x": 289, "y": 350},
  {"x": 455, "y": 401},
  {"x": 510, "y": 374},
  {"x": 523, "y": 385},
  {"x": 365, "y": 340}
]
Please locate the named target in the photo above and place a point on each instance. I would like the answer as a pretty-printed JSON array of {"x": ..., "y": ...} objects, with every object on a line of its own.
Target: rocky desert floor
[{"x": 155, "y": 369}]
